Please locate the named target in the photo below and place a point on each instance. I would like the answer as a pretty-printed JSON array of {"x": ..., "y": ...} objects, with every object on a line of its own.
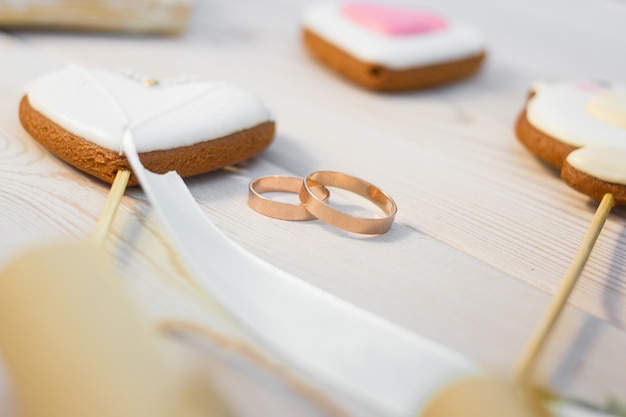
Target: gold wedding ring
[
  {"x": 323, "y": 211},
  {"x": 277, "y": 209}
]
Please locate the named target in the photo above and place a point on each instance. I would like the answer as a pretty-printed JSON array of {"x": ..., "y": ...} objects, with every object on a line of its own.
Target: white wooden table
[{"x": 484, "y": 231}]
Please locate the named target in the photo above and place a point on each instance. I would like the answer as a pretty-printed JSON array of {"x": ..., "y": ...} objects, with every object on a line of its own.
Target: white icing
[
  {"x": 98, "y": 105},
  {"x": 456, "y": 41},
  {"x": 610, "y": 108},
  {"x": 559, "y": 110},
  {"x": 603, "y": 162}
]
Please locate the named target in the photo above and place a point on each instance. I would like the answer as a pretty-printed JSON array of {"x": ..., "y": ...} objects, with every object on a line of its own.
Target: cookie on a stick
[
  {"x": 561, "y": 124},
  {"x": 579, "y": 128},
  {"x": 182, "y": 125}
]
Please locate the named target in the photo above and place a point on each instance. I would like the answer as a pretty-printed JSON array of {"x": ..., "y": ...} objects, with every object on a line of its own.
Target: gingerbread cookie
[
  {"x": 580, "y": 128},
  {"x": 389, "y": 48},
  {"x": 188, "y": 126}
]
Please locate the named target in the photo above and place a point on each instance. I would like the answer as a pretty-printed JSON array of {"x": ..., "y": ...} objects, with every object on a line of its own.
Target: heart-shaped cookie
[{"x": 188, "y": 126}]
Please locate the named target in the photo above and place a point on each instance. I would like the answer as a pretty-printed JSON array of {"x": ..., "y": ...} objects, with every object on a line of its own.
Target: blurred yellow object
[
  {"x": 134, "y": 16},
  {"x": 485, "y": 397},
  {"x": 73, "y": 344}
]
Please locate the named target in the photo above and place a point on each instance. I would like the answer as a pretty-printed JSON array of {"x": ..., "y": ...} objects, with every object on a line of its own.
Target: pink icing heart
[
  {"x": 392, "y": 21},
  {"x": 592, "y": 88}
]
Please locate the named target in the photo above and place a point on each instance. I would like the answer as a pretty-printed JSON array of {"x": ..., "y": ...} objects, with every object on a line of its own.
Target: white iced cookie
[
  {"x": 579, "y": 128},
  {"x": 391, "y": 48},
  {"x": 184, "y": 125}
]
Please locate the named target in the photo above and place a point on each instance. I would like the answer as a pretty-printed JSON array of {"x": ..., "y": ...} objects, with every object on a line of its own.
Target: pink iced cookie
[
  {"x": 391, "y": 48},
  {"x": 392, "y": 21}
]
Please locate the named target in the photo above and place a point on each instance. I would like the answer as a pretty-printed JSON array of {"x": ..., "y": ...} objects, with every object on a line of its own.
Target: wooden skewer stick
[
  {"x": 110, "y": 208},
  {"x": 538, "y": 340}
]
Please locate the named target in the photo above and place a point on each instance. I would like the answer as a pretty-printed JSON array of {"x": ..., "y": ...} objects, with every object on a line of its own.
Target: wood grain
[{"x": 484, "y": 231}]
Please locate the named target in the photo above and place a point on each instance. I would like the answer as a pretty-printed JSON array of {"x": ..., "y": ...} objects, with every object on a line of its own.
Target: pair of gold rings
[{"x": 314, "y": 198}]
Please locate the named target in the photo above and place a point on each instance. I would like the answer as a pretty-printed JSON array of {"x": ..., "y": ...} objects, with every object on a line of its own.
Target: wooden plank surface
[{"x": 484, "y": 231}]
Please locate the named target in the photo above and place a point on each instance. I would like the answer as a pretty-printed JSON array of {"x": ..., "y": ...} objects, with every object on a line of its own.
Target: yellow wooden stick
[
  {"x": 110, "y": 208},
  {"x": 539, "y": 338}
]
